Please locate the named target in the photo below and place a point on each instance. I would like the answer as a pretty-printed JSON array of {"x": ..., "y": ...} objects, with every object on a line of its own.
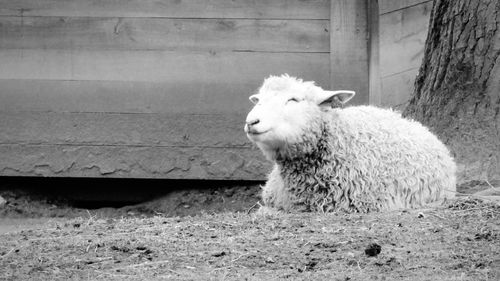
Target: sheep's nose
[{"x": 253, "y": 122}]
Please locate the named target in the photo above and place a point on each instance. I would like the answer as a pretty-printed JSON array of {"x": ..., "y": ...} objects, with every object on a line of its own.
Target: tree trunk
[{"x": 457, "y": 90}]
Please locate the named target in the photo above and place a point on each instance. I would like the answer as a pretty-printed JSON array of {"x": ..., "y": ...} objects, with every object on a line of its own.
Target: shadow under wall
[{"x": 93, "y": 193}]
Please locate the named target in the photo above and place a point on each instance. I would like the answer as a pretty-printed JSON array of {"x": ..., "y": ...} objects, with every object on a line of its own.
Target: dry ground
[
  {"x": 215, "y": 234},
  {"x": 460, "y": 241}
]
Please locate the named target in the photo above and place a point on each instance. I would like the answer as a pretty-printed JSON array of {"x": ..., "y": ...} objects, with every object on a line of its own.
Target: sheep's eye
[{"x": 293, "y": 100}]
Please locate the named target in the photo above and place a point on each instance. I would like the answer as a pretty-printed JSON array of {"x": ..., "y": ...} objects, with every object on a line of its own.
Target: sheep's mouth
[{"x": 255, "y": 133}]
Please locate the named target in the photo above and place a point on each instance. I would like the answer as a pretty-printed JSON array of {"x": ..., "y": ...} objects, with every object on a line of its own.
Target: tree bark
[{"x": 457, "y": 90}]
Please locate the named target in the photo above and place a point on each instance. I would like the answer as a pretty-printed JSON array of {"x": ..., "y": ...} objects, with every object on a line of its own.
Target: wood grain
[
  {"x": 164, "y": 34},
  {"x": 107, "y": 129},
  {"x": 126, "y": 96},
  {"x": 349, "y": 48},
  {"x": 132, "y": 162},
  {"x": 146, "y": 88},
  {"x": 275, "y": 9},
  {"x": 402, "y": 38},
  {"x": 157, "y": 66},
  {"x": 374, "y": 89}
]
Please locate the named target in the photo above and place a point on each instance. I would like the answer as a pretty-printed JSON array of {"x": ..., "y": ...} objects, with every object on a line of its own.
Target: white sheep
[{"x": 356, "y": 159}]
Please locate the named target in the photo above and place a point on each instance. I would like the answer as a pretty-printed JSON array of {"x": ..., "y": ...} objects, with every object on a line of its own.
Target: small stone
[
  {"x": 373, "y": 250},
  {"x": 218, "y": 254},
  {"x": 420, "y": 215},
  {"x": 350, "y": 254},
  {"x": 269, "y": 260}
]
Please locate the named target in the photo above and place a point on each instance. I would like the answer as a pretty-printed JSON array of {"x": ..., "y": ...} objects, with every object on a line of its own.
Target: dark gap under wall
[{"x": 95, "y": 193}]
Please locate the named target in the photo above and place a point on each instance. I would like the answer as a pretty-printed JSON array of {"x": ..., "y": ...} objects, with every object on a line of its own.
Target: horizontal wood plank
[
  {"x": 132, "y": 162},
  {"x": 275, "y": 9},
  {"x": 105, "y": 129},
  {"x": 158, "y": 66},
  {"x": 127, "y": 97},
  {"x": 164, "y": 34}
]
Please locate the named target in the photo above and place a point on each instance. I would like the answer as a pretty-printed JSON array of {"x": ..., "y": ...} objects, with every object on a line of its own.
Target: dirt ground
[{"x": 215, "y": 234}]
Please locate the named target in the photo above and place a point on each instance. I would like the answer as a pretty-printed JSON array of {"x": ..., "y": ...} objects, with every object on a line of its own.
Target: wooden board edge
[{"x": 129, "y": 162}]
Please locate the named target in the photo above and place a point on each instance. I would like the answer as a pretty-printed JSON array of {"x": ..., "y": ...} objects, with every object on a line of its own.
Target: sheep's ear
[
  {"x": 335, "y": 98},
  {"x": 254, "y": 99}
]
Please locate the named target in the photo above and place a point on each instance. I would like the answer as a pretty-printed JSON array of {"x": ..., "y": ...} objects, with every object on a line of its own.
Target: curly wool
[{"x": 361, "y": 159}]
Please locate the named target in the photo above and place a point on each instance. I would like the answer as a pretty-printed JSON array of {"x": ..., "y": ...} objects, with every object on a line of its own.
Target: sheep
[{"x": 353, "y": 159}]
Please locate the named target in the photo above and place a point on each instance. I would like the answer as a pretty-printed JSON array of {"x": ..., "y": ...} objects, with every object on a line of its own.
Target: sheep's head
[{"x": 288, "y": 111}]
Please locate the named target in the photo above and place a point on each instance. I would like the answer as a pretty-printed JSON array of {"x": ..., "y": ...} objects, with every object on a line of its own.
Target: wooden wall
[
  {"x": 146, "y": 88},
  {"x": 349, "y": 52},
  {"x": 402, "y": 32},
  {"x": 159, "y": 88}
]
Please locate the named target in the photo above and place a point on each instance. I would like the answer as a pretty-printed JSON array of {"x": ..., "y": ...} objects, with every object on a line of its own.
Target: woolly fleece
[{"x": 356, "y": 159}]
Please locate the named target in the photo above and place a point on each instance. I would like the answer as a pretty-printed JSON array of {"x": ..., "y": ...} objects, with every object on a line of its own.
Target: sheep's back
[
  {"x": 385, "y": 130},
  {"x": 398, "y": 159}
]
